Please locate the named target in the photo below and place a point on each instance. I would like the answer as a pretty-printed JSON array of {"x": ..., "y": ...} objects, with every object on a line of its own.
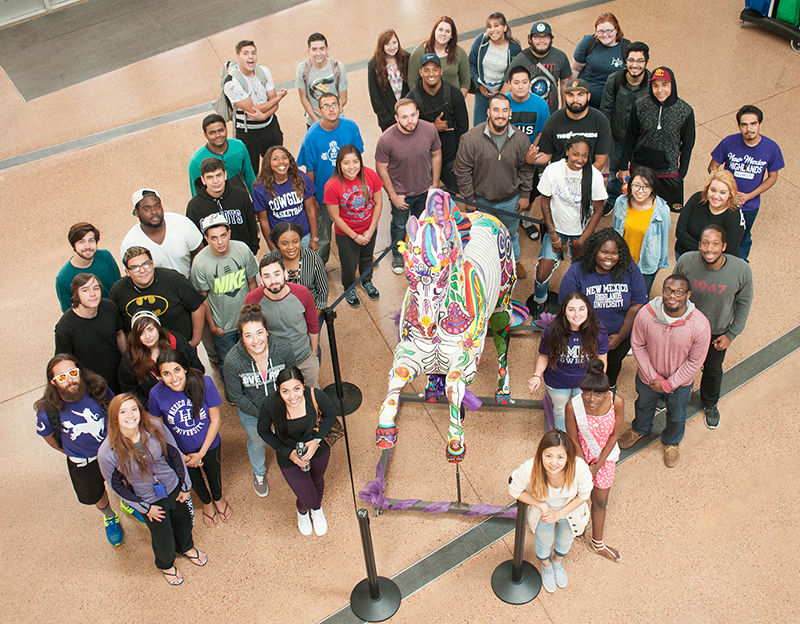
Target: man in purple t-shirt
[{"x": 754, "y": 161}]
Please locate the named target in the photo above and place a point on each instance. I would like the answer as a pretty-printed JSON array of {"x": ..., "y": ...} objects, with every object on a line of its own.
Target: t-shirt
[
  {"x": 171, "y": 297},
  {"x": 563, "y": 186},
  {"x": 256, "y": 91},
  {"x": 321, "y": 147},
  {"x": 569, "y": 370},
  {"x": 225, "y": 280},
  {"x": 236, "y": 159},
  {"x": 83, "y": 426},
  {"x": 529, "y": 116},
  {"x": 320, "y": 82},
  {"x": 600, "y": 64},
  {"x": 610, "y": 300},
  {"x": 409, "y": 157},
  {"x": 749, "y": 165},
  {"x": 355, "y": 208},
  {"x": 93, "y": 341},
  {"x": 560, "y": 128},
  {"x": 175, "y": 409},
  {"x": 636, "y": 224},
  {"x": 286, "y": 205},
  {"x": 175, "y": 252},
  {"x": 103, "y": 267},
  {"x": 555, "y": 62}
]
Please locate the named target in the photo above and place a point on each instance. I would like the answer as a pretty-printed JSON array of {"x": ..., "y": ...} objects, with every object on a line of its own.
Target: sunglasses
[{"x": 71, "y": 374}]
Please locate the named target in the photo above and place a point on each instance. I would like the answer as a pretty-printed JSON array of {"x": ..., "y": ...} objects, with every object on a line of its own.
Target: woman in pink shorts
[{"x": 594, "y": 418}]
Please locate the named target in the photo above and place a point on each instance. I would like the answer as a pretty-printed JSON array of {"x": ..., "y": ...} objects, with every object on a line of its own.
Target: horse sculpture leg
[
  {"x": 456, "y": 448},
  {"x": 500, "y": 322},
  {"x": 399, "y": 376}
]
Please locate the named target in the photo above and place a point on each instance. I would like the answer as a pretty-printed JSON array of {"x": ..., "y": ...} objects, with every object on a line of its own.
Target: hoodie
[
  {"x": 671, "y": 352},
  {"x": 234, "y": 203},
  {"x": 660, "y": 136}
]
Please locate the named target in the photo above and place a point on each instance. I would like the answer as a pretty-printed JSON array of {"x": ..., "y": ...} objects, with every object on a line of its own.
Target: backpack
[
  {"x": 447, "y": 104},
  {"x": 55, "y": 422},
  {"x": 593, "y": 44},
  {"x": 222, "y": 105},
  {"x": 337, "y": 73}
]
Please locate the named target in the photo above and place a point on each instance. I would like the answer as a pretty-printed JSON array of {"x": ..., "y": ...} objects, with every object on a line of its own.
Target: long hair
[
  {"x": 451, "y": 46},
  {"x": 338, "y": 174},
  {"x": 267, "y": 178},
  {"x": 379, "y": 58},
  {"x": 94, "y": 383},
  {"x": 503, "y": 22},
  {"x": 130, "y": 459},
  {"x": 595, "y": 379},
  {"x": 588, "y": 259},
  {"x": 726, "y": 177},
  {"x": 551, "y": 439},
  {"x": 195, "y": 382},
  {"x": 611, "y": 19},
  {"x": 279, "y": 416},
  {"x": 558, "y": 340},
  {"x": 141, "y": 361},
  {"x": 586, "y": 177}
]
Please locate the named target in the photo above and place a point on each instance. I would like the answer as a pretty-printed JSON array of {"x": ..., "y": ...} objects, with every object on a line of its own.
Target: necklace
[{"x": 294, "y": 274}]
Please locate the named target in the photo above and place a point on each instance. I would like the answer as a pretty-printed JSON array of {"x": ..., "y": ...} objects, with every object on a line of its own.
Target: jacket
[
  {"x": 669, "y": 352},
  {"x": 478, "y": 51},
  {"x": 235, "y": 204},
  {"x": 618, "y": 101},
  {"x": 383, "y": 100},
  {"x": 655, "y": 245}
]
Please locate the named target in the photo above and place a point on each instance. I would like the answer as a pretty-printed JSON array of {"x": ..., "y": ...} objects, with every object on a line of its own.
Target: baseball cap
[
  {"x": 541, "y": 28},
  {"x": 661, "y": 74},
  {"x": 141, "y": 194},
  {"x": 576, "y": 85},
  {"x": 213, "y": 220},
  {"x": 430, "y": 58}
]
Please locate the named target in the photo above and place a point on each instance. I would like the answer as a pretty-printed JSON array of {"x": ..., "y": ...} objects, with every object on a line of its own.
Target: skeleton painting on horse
[{"x": 460, "y": 270}]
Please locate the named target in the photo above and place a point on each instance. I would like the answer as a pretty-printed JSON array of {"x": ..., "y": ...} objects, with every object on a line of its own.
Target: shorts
[{"x": 87, "y": 481}]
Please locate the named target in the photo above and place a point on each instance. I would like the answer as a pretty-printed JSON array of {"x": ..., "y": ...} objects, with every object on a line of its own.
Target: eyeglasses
[
  {"x": 606, "y": 31},
  {"x": 640, "y": 187},
  {"x": 333, "y": 106},
  {"x": 541, "y": 37},
  {"x": 138, "y": 268},
  {"x": 636, "y": 61},
  {"x": 70, "y": 374},
  {"x": 667, "y": 291}
]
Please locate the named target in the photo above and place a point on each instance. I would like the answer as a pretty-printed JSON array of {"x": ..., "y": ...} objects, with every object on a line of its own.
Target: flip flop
[
  {"x": 173, "y": 579},
  {"x": 199, "y": 559},
  {"x": 226, "y": 513},
  {"x": 212, "y": 517}
]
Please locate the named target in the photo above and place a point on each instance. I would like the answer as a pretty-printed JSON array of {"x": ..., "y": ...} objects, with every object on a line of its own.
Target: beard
[
  {"x": 498, "y": 129},
  {"x": 578, "y": 108},
  {"x": 72, "y": 392}
]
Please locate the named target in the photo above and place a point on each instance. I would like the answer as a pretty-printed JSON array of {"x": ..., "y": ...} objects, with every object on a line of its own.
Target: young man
[
  {"x": 83, "y": 238},
  {"x": 164, "y": 292},
  {"x": 318, "y": 155},
  {"x": 216, "y": 195},
  {"x": 492, "y": 171},
  {"x": 71, "y": 417},
  {"x": 232, "y": 152},
  {"x": 254, "y": 107},
  {"x": 291, "y": 315},
  {"x": 548, "y": 67},
  {"x": 622, "y": 89},
  {"x": 92, "y": 330},
  {"x": 754, "y": 160},
  {"x": 722, "y": 289},
  {"x": 319, "y": 75},
  {"x": 408, "y": 159},
  {"x": 224, "y": 272},
  {"x": 172, "y": 239},
  {"x": 669, "y": 340},
  {"x": 441, "y": 104},
  {"x": 661, "y": 136}
]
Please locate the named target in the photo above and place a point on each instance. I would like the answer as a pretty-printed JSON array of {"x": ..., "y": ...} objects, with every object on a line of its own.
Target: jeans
[
  {"x": 480, "y": 109},
  {"x": 560, "y": 397},
  {"x": 645, "y": 410},
  {"x": 256, "y": 447},
  {"x": 614, "y": 186},
  {"x": 747, "y": 240},
  {"x": 448, "y": 178},
  {"x": 397, "y": 228},
  {"x": 711, "y": 382},
  {"x": 308, "y": 486},
  {"x": 649, "y": 280},
  {"x": 546, "y": 252},
  {"x": 212, "y": 469},
  {"x": 546, "y": 535},
  {"x": 353, "y": 256},
  {"x": 510, "y": 219},
  {"x": 223, "y": 344},
  {"x": 306, "y": 240}
]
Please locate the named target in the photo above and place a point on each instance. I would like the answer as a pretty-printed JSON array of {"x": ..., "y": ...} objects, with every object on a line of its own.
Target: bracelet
[
  {"x": 539, "y": 376},
  {"x": 315, "y": 239}
]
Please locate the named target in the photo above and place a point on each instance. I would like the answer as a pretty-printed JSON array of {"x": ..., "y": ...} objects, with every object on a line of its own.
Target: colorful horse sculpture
[{"x": 460, "y": 270}]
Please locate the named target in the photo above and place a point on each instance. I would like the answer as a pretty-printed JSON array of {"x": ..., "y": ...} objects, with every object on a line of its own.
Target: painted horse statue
[{"x": 460, "y": 270}]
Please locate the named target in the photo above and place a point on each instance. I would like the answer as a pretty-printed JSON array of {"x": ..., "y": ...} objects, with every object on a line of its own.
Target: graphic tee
[
  {"x": 529, "y": 116},
  {"x": 175, "y": 409},
  {"x": 569, "y": 370},
  {"x": 563, "y": 186},
  {"x": 321, "y": 148},
  {"x": 355, "y": 208},
  {"x": 749, "y": 165},
  {"x": 83, "y": 426},
  {"x": 286, "y": 205}
]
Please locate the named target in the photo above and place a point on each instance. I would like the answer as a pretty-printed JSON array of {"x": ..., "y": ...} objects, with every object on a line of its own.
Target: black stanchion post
[
  {"x": 376, "y": 598},
  {"x": 348, "y": 394},
  {"x": 516, "y": 581}
]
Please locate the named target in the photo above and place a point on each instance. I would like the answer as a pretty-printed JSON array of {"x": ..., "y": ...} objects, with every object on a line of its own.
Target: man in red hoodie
[{"x": 670, "y": 340}]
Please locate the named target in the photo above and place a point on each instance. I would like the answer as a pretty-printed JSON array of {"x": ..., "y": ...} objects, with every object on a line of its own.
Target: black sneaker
[
  {"x": 532, "y": 230},
  {"x": 397, "y": 265},
  {"x": 536, "y": 314},
  {"x": 712, "y": 417},
  {"x": 352, "y": 299},
  {"x": 607, "y": 209},
  {"x": 372, "y": 292}
]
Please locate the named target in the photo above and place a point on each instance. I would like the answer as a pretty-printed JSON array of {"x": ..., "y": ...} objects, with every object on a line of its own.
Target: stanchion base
[
  {"x": 351, "y": 397},
  {"x": 516, "y": 593},
  {"x": 378, "y": 610}
]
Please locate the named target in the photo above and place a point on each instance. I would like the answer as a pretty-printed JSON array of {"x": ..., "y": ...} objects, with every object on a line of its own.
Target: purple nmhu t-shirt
[
  {"x": 175, "y": 409},
  {"x": 571, "y": 367},
  {"x": 747, "y": 164},
  {"x": 286, "y": 205}
]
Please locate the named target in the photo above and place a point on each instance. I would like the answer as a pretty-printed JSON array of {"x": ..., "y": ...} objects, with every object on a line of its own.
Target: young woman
[
  {"x": 141, "y": 461},
  {"x": 595, "y": 419},
  {"x": 282, "y": 192},
  {"x": 716, "y": 203},
  {"x": 489, "y": 58},
  {"x": 288, "y": 417},
  {"x": 573, "y": 338},
  {"x": 251, "y": 368},
  {"x": 188, "y": 403},
  {"x": 642, "y": 218},
  {"x": 146, "y": 340},
  {"x": 354, "y": 200},
  {"x": 443, "y": 42},
  {"x": 573, "y": 194},
  {"x": 598, "y": 56},
  {"x": 387, "y": 77},
  {"x": 556, "y": 483},
  {"x": 612, "y": 282}
]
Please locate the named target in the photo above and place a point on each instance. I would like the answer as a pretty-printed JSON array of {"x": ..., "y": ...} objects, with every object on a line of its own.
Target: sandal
[
  {"x": 199, "y": 559},
  {"x": 226, "y": 513},
  {"x": 173, "y": 579},
  {"x": 604, "y": 551},
  {"x": 210, "y": 521}
]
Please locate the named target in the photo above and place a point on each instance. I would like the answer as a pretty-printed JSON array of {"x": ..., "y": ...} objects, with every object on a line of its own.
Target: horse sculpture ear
[
  {"x": 411, "y": 227},
  {"x": 439, "y": 206}
]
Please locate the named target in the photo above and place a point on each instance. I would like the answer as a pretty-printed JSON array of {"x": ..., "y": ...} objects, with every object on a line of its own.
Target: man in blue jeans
[{"x": 670, "y": 340}]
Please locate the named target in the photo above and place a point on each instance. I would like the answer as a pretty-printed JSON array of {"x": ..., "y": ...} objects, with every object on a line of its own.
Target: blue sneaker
[
  {"x": 132, "y": 512},
  {"x": 113, "y": 530}
]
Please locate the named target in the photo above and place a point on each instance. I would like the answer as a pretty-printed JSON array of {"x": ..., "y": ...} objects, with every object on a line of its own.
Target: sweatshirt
[
  {"x": 619, "y": 97},
  {"x": 671, "y": 352},
  {"x": 234, "y": 203}
]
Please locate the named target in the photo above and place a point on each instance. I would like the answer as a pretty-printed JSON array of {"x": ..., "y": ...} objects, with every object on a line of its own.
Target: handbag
[{"x": 337, "y": 430}]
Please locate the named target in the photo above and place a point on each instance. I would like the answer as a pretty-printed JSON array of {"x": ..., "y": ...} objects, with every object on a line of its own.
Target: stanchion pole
[
  {"x": 376, "y": 598},
  {"x": 348, "y": 394},
  {"x": 516, "y": 581}
]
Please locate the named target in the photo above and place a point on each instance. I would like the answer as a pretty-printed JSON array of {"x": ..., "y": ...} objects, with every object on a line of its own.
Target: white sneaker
[
  {"x": 320, "y": 523},
  {"x": 260, "y": 485},
  {"x": 304, "y": 523},
  {"x": 548, "y": 578},
  {"x": 561, "y": 574}
]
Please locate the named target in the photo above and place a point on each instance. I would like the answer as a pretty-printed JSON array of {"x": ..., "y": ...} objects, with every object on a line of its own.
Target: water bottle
[
  {"x": 301, "y": 450},
  {"x": 625, "y": 186}
]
